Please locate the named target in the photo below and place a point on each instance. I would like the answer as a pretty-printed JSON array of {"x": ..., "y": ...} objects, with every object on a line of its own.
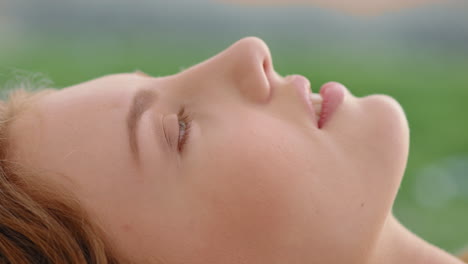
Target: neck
[{"x": 399, "y": 245}]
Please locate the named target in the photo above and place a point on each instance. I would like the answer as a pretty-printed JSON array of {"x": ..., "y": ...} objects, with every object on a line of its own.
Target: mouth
[
  {"x": 333, "y": 95},
  {"x": 323, "y": 104},
  {"x": 313, "y": 102},
  {"x": 317, "y": 102}
]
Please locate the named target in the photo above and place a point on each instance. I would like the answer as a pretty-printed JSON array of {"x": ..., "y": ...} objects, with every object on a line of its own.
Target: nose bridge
[{"x": 249, "y": 63}]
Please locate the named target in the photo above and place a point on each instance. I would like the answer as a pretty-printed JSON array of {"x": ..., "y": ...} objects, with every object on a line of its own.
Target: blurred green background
[{"x": 418, "y": 56}]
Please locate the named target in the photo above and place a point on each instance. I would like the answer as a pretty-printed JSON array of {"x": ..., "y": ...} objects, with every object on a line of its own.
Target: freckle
[
  {"x": 126, "y": 227},
  {"x": 362, "y": 204}
]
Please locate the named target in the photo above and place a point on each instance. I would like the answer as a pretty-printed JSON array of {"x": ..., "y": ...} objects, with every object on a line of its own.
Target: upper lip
[{"x": 304, "y": 92}]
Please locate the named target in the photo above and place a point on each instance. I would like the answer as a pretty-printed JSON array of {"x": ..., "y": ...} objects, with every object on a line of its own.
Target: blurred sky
[
  {"x": 440, "y": 25},
  {"x": 362, "y": 7}
]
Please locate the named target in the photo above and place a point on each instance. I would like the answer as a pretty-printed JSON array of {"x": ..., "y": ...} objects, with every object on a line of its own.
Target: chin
[{"x": 393, "y": 128}]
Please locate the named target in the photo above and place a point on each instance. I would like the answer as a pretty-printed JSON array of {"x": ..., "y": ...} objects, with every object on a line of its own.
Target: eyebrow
[{"x": 142, "y": 101}]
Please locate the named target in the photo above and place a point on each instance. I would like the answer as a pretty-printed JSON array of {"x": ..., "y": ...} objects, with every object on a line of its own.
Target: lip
[
  {"x": 302, "y": 87},
  {"x": 333, "y": 94}
]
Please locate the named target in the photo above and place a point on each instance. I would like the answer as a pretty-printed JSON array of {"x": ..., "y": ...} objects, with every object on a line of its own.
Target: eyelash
[{"x": 184, "y": 117}]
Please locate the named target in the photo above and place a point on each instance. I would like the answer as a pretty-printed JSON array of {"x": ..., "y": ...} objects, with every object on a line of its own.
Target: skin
[{"x": 257, "y": 181}]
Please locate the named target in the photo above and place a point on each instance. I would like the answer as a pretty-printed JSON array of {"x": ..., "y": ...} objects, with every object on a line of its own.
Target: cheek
[{"x": 248, "y": 186}]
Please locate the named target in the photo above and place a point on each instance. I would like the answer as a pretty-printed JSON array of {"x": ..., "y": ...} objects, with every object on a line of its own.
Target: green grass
[{"x": 431, "y": 86}]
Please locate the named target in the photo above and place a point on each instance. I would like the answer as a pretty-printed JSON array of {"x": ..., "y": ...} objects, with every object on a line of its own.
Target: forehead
[
  {"x": 99, "y": 86},
  {"x": 61, "y": 116},
  {"x": 43, "y": 120}
]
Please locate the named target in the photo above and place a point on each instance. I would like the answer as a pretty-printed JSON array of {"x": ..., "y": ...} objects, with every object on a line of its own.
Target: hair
[
  {"x": 463, "y": 254},
  {"x": 40, "y": 224}
]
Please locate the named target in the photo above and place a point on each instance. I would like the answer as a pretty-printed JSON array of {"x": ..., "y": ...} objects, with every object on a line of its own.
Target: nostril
[
  {"x": 266, "y": 66},
  {"x": 267, "y": 70}
]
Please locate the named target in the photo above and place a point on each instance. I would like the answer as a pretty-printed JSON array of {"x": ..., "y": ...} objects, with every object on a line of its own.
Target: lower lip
[{"x": 333, "y": 95}]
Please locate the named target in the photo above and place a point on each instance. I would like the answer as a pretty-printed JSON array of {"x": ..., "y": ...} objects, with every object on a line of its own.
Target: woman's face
[{"x": 256, "y": 181}]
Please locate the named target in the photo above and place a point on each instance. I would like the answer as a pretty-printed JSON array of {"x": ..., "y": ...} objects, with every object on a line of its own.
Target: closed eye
[{"x": 185, "y": 124}]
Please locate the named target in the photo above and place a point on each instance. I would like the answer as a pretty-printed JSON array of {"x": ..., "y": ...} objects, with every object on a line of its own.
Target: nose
[{"x": 249, "y": 67}]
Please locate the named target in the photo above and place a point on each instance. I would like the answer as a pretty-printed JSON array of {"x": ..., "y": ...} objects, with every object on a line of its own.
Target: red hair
[{"x": 38, "y": 223}]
